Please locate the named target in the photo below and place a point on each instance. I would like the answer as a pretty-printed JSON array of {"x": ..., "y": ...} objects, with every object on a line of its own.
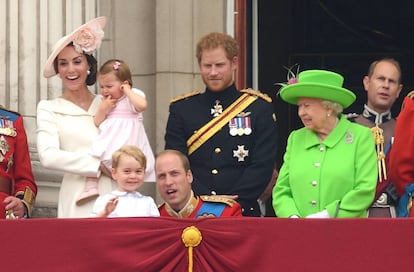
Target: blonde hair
[
  {"x": 129, "y": 150},
  {"x": 334, "y": 106},
  {"x": 119, "y": 68}
]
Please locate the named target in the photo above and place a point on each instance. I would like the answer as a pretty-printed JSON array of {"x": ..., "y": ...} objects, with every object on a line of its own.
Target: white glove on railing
[{"x": 322, "y": 214}]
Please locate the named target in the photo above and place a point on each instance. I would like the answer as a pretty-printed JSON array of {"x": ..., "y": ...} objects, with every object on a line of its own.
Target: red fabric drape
[{"x": 228, "y": 244}]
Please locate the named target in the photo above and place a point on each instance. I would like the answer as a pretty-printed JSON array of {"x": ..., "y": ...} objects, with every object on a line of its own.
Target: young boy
[{"x": 128, "y": 169}]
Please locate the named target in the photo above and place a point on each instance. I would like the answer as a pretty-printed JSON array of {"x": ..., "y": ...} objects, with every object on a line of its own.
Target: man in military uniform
[
  {"x": 17, "y": 186},
  {"x": 383, "y": 86},
  {"x": 401, "y": 161},
  {"x": 228, "y": 135},
  {"x": 174, "y": 179}
]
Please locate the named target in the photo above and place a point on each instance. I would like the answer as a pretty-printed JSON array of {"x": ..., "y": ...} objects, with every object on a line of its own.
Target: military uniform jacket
[
  {"x": 401, "y": 161},
  {"x": 233, "y": 165},
  {"x": 338, "y": 175},
  {"x": 204, "y": 206},
  {"x": 368, "y": 119},
  {"x": 15, "y": 162}
]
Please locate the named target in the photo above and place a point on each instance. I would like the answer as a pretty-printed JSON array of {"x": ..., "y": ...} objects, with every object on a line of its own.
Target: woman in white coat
[{"x": 65, "y": 127}]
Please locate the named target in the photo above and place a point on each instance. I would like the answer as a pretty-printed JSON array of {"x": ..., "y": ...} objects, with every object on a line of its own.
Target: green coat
[{"x": 339, "y": 174}]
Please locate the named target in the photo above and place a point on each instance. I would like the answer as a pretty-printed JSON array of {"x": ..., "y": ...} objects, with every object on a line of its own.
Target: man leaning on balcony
[{"x": 174, "y": 179}]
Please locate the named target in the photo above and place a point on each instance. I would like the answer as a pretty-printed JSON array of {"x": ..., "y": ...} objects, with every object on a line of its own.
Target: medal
[
  {"x": 240, "y": 127},
  {"x": 4, "y": 145},
  {"x": 7, "y": 128},
  {"x": 240, "y": 153},
  {"x": 217, "y": 109},
  {"x": 247, "y": 128},
  {"x": 232, "y": 127}
]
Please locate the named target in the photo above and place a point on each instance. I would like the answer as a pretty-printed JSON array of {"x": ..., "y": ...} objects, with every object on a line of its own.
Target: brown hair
[
  {"x": 215, "y": 40},
  {"x": 389, "y": 60},
  {"x": 129, "y": 150},
  {"x": 183, "y": 158},
  {"x": 119, "y": 68}
]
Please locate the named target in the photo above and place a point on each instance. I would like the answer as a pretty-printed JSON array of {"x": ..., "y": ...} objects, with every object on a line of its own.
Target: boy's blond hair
[{"x": 129, "y": 150}]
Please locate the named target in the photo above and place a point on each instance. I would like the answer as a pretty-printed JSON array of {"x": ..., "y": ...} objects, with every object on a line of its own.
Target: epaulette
[
  {"x": 6, "y": 109},
  {"x": 257, "y": 93},
  {"x": 351, "y": 115},
  {"x": 411, "y": 94},
  {"x": 183, "y": 96},
  {"x": 218, "y": 199}
]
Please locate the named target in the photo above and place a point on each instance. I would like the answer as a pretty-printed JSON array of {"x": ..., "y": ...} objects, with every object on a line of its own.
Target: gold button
[
  {"x": 213, "y": 193},
  {"x": 217, "y": 150},
  {"x": 214, "y": 171}
]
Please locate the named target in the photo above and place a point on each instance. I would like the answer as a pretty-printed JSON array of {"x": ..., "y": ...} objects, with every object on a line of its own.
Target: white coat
[{"x": 65, "y": 133}]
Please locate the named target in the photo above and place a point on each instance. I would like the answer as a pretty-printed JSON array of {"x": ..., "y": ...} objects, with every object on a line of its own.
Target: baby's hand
[
  {"x": 111, "y": 205},
  {"x": 125, "y": 87},
  {"x": 108, "y": 103}
]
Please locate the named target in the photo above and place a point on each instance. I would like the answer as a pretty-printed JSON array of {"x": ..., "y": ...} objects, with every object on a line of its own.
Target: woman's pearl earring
[{"x": 88, "y": 72}]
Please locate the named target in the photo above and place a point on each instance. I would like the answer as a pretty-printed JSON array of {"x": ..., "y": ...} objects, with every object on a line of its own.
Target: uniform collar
[
  {"x": 187, "y": 210},
  {"x": 377, "y": 118},
  {"x": 227, "y": 94}
]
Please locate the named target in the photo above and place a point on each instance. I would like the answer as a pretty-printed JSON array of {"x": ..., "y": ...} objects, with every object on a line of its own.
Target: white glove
[{"x": 322, "y": 214}]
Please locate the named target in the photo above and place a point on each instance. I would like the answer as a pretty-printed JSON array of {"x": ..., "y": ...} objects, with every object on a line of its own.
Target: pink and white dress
[{"x": 123, "y": 126}]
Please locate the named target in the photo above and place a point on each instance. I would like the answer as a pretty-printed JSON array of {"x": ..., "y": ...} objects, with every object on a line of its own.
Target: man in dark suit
[{"x": 228, "y": 135}]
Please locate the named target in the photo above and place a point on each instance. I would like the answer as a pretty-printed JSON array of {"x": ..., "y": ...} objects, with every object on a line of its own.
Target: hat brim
[
  {"x": 291, "y": 93},
  {"x": 49, "y": 69}
]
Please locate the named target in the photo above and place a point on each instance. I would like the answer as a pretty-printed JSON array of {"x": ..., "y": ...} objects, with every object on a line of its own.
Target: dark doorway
[{"x": 344, "y": 36}]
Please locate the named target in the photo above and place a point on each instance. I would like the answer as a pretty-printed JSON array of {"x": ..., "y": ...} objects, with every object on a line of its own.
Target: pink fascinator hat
[{"x": 86, "y": 39}]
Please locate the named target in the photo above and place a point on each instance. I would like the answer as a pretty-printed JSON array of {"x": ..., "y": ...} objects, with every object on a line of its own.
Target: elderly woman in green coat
[{"x": 330, "y": 165}]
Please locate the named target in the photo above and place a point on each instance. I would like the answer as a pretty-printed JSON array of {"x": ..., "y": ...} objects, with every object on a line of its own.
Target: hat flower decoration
[
  {"x": 88, "y": 39},
  {"x": 85, "y": 39},
  {"x": 321, "y": 84},
  {"x": 291, "y": 76}
]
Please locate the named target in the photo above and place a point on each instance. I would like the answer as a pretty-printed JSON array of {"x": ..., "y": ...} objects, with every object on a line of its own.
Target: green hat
[{"x": 321, "y": 84}]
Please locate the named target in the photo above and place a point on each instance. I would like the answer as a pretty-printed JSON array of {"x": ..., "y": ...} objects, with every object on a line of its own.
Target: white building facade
[{"x": 155, "y": 37}]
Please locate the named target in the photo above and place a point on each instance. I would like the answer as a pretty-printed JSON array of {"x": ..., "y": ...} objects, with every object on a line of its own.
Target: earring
[{"x": 88, "y": 72}]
